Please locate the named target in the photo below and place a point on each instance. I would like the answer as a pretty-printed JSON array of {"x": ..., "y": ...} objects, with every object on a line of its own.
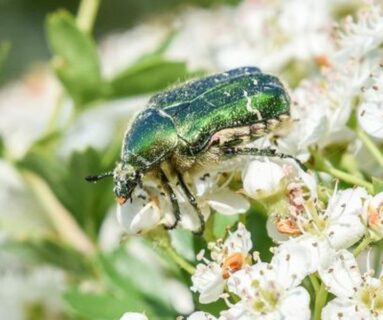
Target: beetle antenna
[{"x": 99, "y": 177}]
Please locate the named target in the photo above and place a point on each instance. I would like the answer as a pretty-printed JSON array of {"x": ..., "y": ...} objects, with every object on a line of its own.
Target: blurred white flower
[
  {"x": 133, "y": 316},
  {"x": 272, "y": 291},
  {"x": 227, "y": 258},
  {"x": 22, "y": 287},
  {"x": 21, "y": 216},
  {"x": 357, "y": 296},
  {"x": 25, "y": 107},
  {"x": 362, "y": 35}
]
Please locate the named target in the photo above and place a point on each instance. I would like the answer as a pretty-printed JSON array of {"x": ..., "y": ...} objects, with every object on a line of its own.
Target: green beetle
[{"x": 199, "y": 122}]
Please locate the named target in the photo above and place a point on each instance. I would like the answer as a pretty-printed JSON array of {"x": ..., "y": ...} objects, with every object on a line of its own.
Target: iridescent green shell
[{"x": 193, "y": 112}]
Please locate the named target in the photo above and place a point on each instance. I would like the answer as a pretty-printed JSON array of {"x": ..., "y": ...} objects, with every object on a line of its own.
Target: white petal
[
  {"x": 138, "y": 216},
  {"x": 345, "y": 232},
  {"x": 208, "y": 281},
  {"x": 292, "y": 263},
  {"x": 295, "y": 305},
  {"x": 238, "y": 241},
  {"x": 228, "y": 202},
  {"x": 370, "y": 117},
  {"x": 347, "y": 308},
  {"x": 347, "y": 202},
  {"x": 263, "y": 179},
  {"x": 200, "y": 315},
  {"x": 239, "y": 311},
  {"x": 241, "y": 281},
  {"x": 345, "y": 210},
  {"x": 341, "y": 274},
  {"x": 318, "y": 248},
  {"x": 133, "y": 316}
]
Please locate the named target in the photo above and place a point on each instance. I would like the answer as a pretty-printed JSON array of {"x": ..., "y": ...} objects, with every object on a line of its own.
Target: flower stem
[
  {"x": 322, "y": 164},
  {"x": 173, "y": 254},
  {"x": 370, "y": 145},
  {"x": 320, "y": 300},
  {"x": 362, "y": 245},
  {"x": 62, "y": 220},
  {"x": 314, "y": 282},
  {"x": 352, "y": 179},
  {"x": 86, "y": 15}
]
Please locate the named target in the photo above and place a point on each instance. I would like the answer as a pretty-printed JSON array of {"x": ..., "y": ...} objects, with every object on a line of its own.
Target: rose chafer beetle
[{"x": 197, "y": 124}]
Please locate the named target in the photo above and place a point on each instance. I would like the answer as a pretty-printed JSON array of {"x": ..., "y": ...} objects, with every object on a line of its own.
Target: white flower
[
  {"x": 228, "y": 257},
  {"x": 357, "y": 296},
  {"x": 210, "y": 192},
  {"x": 339, "y": 226},
  {"x": 133, "y": 316},
  {"x": 271, "y": 291},
  {"x": 143, "y": 212},
  {"x": 373, "y": 216},
  {"x": 30, "y": 103},
  {"x": 200, "y": 315},
  {"x": 263, "y": 179},
  {"x": 359, "y": 37},
  {"x": 370, "y": 111}
]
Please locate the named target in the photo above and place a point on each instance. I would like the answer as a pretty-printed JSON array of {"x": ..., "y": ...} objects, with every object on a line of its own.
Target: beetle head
[{"x": 125, "y": 179}]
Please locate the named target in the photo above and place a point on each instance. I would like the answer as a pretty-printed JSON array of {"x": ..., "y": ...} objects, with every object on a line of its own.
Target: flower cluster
[{"x": 318, "y": 226}]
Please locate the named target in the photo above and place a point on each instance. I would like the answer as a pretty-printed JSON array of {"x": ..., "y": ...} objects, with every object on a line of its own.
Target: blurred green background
[{"x": 22, "y": 24}]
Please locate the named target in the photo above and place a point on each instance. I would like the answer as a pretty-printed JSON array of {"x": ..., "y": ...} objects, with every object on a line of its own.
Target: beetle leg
[
  {"x": 193, "y": 202},
  {"x": 173, "y": 199},
  {"x": 267, "y": 152}
]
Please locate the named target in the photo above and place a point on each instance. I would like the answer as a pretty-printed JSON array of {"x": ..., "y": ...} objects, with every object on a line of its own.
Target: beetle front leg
[
  {"x": 193, "y": 202},
  {"x": 173, "y": 200},
  {"x": 267, "y": 152}
]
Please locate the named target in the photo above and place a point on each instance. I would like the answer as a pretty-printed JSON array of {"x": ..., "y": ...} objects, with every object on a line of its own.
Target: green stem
[
  {"x": 362, "y": 245},
  {"x": 178, "y": 259},
  {"x": 314, "y": 282},
  {"x": 370, "y": 145},
  {"x": 320, "y": 300},
  {"x": 348, "y": 178},
  {"x": 322, "y": 164},
  {"x": 86, "y": 15}
]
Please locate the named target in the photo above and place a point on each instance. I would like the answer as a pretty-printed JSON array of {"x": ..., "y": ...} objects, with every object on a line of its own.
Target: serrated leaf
[
  {"x": 75, "y": 58},
  {"x": 377, "y": 184},
  {"x": 149, "y": 75}
]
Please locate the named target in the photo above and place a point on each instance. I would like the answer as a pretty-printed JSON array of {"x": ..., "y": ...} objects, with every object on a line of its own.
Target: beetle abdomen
[{"x": 242, "y": 101}]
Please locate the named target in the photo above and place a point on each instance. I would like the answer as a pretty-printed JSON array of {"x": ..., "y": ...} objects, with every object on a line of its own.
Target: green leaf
[
  {"x": 221, "y": 222},
  {"x": 4, "y": 51},
  {"x": 256, "y": 224},
  {"x": 102, "y": 306},
  {"x": 76, "y": 61},
  {"x": 53, "y": 253},
  {"x": 88, "y": 203},
  {"x": 377, "y": 184},
  {"x": 139, "y": 279},
  {"x": 148, "y": 75},
  {"x": 131, "y": 285}
]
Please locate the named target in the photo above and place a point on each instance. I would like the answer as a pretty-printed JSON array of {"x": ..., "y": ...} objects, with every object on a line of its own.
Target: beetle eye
[{"x": 121, "y": 200}]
